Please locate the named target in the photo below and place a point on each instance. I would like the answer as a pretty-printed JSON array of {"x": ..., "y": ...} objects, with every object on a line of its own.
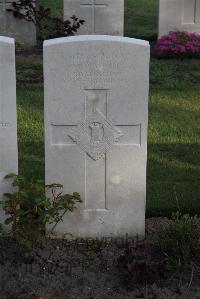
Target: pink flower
[{"x": 179, "y": 43}]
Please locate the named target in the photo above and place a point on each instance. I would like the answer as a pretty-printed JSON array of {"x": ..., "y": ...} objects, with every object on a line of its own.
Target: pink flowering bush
[{"x": 179, "y": 45}]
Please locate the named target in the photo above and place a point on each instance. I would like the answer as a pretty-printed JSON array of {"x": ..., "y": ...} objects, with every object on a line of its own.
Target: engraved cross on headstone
[
  {"x": 4, "y": 132},
  {"x": 93, "y": 6},
  {"x": 96, "y": 136},
  {"x": 191, "y": 11},
  {"x": 197, "y": 11}
]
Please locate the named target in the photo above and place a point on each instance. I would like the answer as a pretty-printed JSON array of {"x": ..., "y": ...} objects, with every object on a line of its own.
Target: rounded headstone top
[
  {"x": 8, "y": 40},
  {"x": 109, "y": 38}
]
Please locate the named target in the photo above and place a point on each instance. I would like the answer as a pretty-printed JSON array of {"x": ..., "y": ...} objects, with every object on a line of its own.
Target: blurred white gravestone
[
  {"x": 8, "y": 116},
  {"x": 22, "y": 30},
  {"x": 101, "y": 16},
  {"x": 179, "y": 15},
  {"x": 96, "y": 114}
]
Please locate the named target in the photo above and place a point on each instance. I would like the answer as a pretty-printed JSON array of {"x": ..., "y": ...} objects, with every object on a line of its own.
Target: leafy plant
[
  {"x": 52, "y": 27},
  {"x": 29, "y": 209},
  {"x": 180, "y": 242},
  {"x": 47, "y": 25},
  {"x": 179, "y": 45}
]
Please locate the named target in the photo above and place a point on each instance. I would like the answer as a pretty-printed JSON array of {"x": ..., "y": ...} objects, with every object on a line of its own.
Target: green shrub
[
  {"x": 29, "y": 209},
  {"x": 180, "y": 241},
  {"x": 47, "y": 26}
]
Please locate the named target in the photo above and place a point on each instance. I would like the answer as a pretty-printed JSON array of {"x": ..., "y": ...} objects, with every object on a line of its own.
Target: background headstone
[
  {"x": 179, "y": 15},
  {"x": 8, "y": 116},
  {"x": 23, "y": 31},
  {"x": 96, "y": 113},
  {"x": 101, "y": 16}
]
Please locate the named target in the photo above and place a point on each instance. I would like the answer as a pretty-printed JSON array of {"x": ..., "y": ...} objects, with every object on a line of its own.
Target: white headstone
[
  {"x": 179, "y": 15},
  {"x": 96, "y": 111},
  {"x": 22, "y": 30},
  {"x": 101, "y": 16},
  {"x": 8, "y": 116}
]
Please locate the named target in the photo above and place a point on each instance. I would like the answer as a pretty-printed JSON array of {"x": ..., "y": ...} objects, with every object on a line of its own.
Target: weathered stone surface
[
  {"x": 8, "y": 117},
  {"x": 23, "y": 31},
  {"x": 96, "y": 113},
  {"x": 101, "y": 16},
  {"x": 183, "y": 15}
]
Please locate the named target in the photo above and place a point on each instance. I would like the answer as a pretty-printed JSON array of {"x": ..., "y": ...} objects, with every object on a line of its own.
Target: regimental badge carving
[{"x": 95, "y": 135}]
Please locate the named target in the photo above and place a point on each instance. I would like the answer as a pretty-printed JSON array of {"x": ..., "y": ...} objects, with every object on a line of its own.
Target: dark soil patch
[{"x": 59, "y": 269}]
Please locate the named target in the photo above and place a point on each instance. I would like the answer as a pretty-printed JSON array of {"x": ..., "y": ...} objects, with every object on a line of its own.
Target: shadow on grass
[
  {"x": 173, "y": 179},
  {"x": 173, "y": 176}
]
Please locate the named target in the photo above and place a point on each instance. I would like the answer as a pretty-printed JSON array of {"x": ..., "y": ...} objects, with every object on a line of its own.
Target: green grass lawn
[
  {"x": 55, "y": 5},
  {"x": 173, "y": 174},
  {"x": 141, "y": 16}
]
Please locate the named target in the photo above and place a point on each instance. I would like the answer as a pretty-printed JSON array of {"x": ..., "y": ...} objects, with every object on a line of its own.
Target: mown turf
[
  {"x": 173, "y": 173},
  {"x": 55, "y": 5},
  {"x": 141, "y": 16},
  {"x": 173, "y": 151},
  {"x": 31, "y": 130}
]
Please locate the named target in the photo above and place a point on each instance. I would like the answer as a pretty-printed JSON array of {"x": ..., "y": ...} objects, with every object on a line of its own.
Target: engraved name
[
  {"x": 5, "y": 125},
  {"x": 98, "y": 68}
]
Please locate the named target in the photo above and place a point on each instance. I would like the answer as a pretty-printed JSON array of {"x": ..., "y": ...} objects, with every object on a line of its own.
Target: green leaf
[
  {"x": 27, "y": 243},
  {"x": 52, "y": 186},
  {"x": 23, "y": 194},
  {"x": 8, "y": 220},
  {"x": 58, "y": 195},
  {"x": 8, "y": 195},
  {"x": 10, "y": 176}
]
